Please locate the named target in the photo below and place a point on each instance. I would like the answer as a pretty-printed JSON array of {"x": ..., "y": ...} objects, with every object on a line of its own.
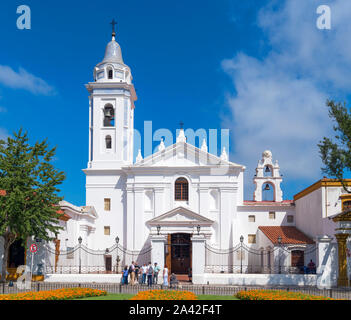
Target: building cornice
[{"x": 319, "y": 184}]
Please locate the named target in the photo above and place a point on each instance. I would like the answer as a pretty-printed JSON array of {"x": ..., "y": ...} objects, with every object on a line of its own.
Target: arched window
[
  {"x": 297, "y": 258},
  {"x": 110, "y": 74},
  {"x": 108, "y": 141},
  {"x": 109, "y": 116},
  {"x": 181, "y": 189}
]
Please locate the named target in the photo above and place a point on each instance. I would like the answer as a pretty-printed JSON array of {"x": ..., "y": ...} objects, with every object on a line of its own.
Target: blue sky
[{"x": 261, "y": 69}]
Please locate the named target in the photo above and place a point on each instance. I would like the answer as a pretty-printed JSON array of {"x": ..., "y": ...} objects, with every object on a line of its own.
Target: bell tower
[
  {"x": 268, "y": 178},
  {"x": 111, "y": 111}
]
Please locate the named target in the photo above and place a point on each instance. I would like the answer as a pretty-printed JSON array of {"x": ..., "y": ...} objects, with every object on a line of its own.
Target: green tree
[
  {"x": 29, "y": 207},
  {"x": 336, "y": 155}
]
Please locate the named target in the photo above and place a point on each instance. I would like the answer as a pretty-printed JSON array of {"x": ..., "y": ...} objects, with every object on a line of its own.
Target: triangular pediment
[
  {"x": 180, "y": 216},
  {"x": 182, "y": 154}
]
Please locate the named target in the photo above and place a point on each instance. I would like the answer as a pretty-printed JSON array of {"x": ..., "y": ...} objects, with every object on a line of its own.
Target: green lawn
[{"x": 125, "y": 296}]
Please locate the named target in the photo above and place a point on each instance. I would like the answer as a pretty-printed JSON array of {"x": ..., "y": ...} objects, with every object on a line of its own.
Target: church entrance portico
[{"x": 172, "y": 235}]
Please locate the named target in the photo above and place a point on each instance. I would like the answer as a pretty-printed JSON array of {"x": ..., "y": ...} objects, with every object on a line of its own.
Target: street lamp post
[
  {"x": 198, "y": 228},
  {"x": 279, "y": 242},
  {"x": 241, "y": 254},
  {"x": 117, "y": 259},
  {"x": 80, "y": 260},
  {"x": 158, "y": 229}
]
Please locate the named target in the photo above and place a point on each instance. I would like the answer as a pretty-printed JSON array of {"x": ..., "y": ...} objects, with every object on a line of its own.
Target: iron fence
[
  {"x": 81, "y": 259},
  {"x": 224, "y": 290},
  {"x": 244, "y": 259}
]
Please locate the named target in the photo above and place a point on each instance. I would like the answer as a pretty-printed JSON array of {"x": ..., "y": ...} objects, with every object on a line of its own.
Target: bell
[
  {"x": 266, "y": 187},
  {"x": 108, "y": 113},
  {"x": 267, "y": 170}
]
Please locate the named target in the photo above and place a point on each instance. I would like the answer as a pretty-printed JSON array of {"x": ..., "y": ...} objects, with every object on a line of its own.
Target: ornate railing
[
  {"x": 81, "y": 259},
  {"x": 244, "y": 259}
]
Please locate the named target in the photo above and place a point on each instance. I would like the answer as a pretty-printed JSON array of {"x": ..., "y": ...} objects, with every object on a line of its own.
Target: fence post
[
  {"x": 38, "y": 286},
  {"x": 203, "y": 290},
  {"x": 331, "y": 293},
  {"x": 3, "y": 287},
  {"x": 79, "y": 285},
  {"x": 120, "y": 288}
]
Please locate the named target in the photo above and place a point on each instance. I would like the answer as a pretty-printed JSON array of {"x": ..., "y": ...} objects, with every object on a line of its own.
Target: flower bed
[
  {"x": 277, "y": 295},
  {"x": 59, "y": 294},
  {"x": 164, "y": 295}
]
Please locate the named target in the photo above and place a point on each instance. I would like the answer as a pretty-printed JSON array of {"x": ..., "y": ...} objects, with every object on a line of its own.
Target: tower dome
[
  {"x": 113, "y": 52},
  {"x": 112, "y": 68}
]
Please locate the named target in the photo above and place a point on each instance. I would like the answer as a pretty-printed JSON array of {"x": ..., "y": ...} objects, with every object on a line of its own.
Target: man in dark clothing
[
  {"x": 311, "y": 267},
  {"x": 150, "y": 273}
]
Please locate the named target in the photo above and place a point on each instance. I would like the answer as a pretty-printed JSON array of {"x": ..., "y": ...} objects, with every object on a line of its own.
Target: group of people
[{"x": 141, "y": 274}]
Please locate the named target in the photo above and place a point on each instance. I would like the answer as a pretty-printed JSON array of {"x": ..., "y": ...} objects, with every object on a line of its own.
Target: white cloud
[
  {"x": 3, "y": 134},
  {"x": 24, "y": 80},
  {"x": 279, "y": 100}
]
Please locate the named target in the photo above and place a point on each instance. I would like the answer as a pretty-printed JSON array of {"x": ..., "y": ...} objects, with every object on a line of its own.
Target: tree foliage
[
  {"x": 29, "y": 207},
  {"x": 336, "y": 155}
]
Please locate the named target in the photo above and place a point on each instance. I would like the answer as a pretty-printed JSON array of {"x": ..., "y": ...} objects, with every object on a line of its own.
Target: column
[
  {"x": 342, "y": 276},
  {"x": 203, "y": 202},
  {"x": 83, "y": 231},
  {"x": 198, "y": 258},
  {"x": 323, "y": 243},
  {"x": 158, "y": 253},
  {"x": 326, "y": 262},
  {"x": 129, "y": 216},
  {"x": 138, "y": 231},
  {"x": 159, "y": 201}
]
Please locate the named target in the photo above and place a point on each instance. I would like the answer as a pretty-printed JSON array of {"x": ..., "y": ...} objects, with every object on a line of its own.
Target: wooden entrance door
[
  {"x": 297, "y": 258},
  {"x": 108, "y": 264},
  {"x": 180, "y": 253}
]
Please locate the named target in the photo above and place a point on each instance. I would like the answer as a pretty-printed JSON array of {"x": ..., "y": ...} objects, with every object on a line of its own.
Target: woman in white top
[{"x": 165, "y": 276}]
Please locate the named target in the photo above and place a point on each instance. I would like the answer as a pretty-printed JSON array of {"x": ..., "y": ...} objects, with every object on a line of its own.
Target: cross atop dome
[{"x": 113, "y": 23}]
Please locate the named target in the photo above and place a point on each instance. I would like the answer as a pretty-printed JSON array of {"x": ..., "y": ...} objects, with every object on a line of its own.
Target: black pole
[
  {"x": 279, "y": 261},
  {"x": 241, "y": 257},
  {"x": 80, "y": 262}
]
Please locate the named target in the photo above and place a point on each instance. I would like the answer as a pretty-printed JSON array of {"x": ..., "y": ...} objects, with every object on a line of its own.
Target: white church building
[{"x": 182, "y": 206}]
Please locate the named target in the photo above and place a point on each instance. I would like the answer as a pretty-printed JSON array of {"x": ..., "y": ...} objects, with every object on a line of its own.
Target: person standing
[
  {"x": 125, "y": 275},
  {"x": 150, "y": 273},
  {"x": 132, "y": 273},
  {"x": 311, "y": 267},
  {"x": 165, "y": 276},
  {"x": 156, "y": 271},
  {"x": 143, "y": 271},
  {"x": 137, "y": 272}
]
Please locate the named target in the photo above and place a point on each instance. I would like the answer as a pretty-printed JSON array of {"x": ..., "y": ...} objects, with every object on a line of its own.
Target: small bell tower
[
  {"x": 268, "y": 178},
  {"x": 111, "y": 111}
]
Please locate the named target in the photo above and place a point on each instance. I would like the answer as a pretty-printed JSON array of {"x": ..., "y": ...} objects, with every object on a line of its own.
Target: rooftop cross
[{"x": 113, "y": 23}]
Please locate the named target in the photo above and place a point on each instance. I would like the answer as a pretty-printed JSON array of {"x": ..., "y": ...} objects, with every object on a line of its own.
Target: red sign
[{"x": 33, "y": 248}]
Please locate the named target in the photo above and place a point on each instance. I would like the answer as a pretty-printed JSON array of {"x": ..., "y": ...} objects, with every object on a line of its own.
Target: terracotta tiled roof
[
  {"x": 2, "y": 192},
  {"x": 289, "y": 235},
  {"x": 269, "y": 203}
]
